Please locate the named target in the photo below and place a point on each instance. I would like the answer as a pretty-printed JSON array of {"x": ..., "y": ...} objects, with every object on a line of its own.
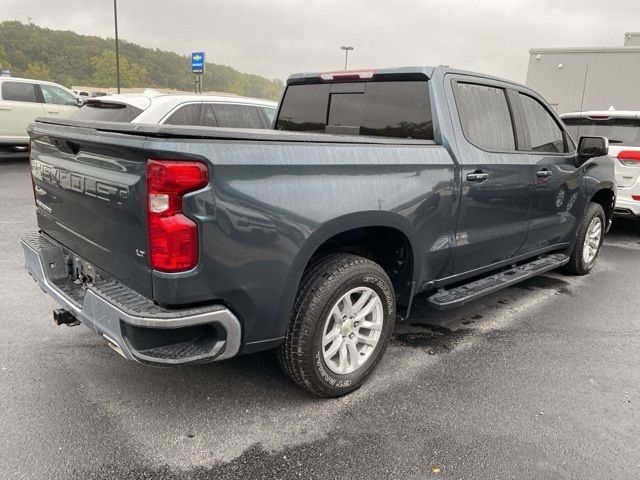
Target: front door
[
  {"x": 496, "y": 178},
  {"x": 58, "y": 102}
]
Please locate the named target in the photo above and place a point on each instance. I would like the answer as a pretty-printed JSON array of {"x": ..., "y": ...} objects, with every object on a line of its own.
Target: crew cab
[{"x": 189, "y": 244}]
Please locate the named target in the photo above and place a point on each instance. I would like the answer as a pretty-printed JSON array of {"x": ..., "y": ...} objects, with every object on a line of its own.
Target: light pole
[
  {"x": 346, "y": 54},
  {"x": 115, "y": 19}
]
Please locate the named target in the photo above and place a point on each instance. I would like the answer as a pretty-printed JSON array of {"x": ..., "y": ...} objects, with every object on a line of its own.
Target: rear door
[
  {"x": 58, "y": 102},
  {"x": 20, "y": 105},
  {"x": 556, "y": 203},
  {"x": 496, "y": 178}
]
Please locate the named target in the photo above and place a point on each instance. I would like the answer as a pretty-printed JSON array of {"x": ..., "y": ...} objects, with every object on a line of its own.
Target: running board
[{"x": 458, "y": 296}]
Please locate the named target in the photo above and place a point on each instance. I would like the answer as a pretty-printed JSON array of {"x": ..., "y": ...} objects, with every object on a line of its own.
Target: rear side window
[
  {"x": 544, "y": 133},
  {"x": 485, "y": 117},
  {"x": 390, "y": 109},
  {"x": 19, "y": 92},
  {"x": 237, "y": 116},
  {"x": 190, "y": 114},
  {"x": 107, "y": 112}
]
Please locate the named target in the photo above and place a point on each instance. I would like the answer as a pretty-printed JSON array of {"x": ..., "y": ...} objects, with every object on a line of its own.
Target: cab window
[{"x": 19, "y": 92}]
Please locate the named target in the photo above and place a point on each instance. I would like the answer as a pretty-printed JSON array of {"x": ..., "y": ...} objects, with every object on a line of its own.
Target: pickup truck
[{"x": 185, "y": 244}]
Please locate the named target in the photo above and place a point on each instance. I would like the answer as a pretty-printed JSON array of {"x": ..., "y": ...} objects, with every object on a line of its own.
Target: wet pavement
[{"x": 541, "y": 380}]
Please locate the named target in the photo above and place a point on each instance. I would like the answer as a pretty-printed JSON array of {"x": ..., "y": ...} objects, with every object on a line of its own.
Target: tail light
[
  {"x": 173, "y": 238},
  {"x": 630, "y": 157}
]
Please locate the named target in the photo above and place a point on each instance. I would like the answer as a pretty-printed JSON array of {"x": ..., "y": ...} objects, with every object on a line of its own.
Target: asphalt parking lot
[{"x": 537, "y": 381}]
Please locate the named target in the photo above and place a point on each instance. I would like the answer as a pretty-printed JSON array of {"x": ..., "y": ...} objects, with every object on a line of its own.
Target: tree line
[{"x": 71, "y": 59}]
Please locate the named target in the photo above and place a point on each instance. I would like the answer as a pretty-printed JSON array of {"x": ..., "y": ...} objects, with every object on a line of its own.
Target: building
[{"x": 590, "y": 78}]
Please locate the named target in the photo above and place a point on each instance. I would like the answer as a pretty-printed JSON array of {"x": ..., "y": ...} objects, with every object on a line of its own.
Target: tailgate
[{"x": 91, "y": 197}]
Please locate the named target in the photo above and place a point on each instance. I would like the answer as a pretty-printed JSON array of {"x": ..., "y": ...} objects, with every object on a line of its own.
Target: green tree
[
  {"x": 4, "y": 59},
  {"x": 38, "y": 71},
  {"x": 104, "y": 71}
]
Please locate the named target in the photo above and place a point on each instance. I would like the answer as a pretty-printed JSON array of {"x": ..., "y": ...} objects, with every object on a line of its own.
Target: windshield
[{"x": 619, "y": 131}]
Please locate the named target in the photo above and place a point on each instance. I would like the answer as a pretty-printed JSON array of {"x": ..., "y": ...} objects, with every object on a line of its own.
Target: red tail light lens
[
  {"x": 173, "y": 238},
  {"x": 629, "y": 157}
]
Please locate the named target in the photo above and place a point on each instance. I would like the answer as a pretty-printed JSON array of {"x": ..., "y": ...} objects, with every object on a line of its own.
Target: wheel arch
[{"x": 328, "y": 235}]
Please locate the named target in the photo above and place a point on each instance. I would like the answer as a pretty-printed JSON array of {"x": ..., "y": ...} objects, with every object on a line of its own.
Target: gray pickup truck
[{"x": 189, "y": 245}]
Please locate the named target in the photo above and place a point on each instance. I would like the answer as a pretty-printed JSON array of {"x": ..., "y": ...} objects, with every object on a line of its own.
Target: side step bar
[{"x": 458, "y": 296}]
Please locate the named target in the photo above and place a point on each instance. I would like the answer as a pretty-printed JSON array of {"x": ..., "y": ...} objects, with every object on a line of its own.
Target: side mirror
[
  {"x": 80, "y": 102},
  {"x": 589, "y": 147}
]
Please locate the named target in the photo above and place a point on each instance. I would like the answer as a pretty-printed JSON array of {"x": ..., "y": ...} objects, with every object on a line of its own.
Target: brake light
[
  {"x": 629, "y": 157},
  {"x": 348, "y": 75},
  {"x": 173, "y": 238},
  {"x": 636, "y": 197}
]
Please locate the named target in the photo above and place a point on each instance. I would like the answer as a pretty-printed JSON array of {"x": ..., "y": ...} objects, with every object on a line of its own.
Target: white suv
[
  {"x": 622, "y": 128},
  {"x": 181, "y": 109},
  {"x": 22, "y": 100}
]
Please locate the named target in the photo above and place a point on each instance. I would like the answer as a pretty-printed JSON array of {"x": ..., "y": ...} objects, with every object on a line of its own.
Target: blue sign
[{"x": 197, "y": 62}]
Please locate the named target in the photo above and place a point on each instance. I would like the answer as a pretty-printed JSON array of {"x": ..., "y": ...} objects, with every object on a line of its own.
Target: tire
[
  {"x": 578, "y": 264},
  {"x": 329, "y": 288}
]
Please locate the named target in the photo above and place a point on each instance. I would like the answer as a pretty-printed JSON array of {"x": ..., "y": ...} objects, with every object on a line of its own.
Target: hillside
[{"x": 71, "y": 59}]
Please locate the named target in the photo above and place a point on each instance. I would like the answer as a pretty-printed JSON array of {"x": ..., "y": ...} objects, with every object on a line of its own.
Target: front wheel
[
  {"x": 340, "y": 326},
  {"x": 589, "y": 241}
]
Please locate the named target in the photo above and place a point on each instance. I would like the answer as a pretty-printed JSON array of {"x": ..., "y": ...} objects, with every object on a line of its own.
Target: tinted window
[
  {"x": 190, "y": 114},
  {"x": 621, "y": 131},
  {"x": 485, "y": 117},
  {"x": 390, "y": 109},
  {"x": 19, "y": 92},
  {"x": 544, "y": 133},
  {"x": 304, "y": 108},
  {"x": 237, "y": 116},
  {"x": 107, "y": 112},
  {"x": 208, "y": 118},
  {"x": 57, "y": 96}
]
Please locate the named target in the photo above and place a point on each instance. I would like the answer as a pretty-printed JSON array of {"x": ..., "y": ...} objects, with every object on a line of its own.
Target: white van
[{"x": 22, "y": 100}]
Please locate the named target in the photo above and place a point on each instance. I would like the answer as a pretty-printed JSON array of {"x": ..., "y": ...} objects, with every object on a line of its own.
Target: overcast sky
[{"x": 277, "y": 37}]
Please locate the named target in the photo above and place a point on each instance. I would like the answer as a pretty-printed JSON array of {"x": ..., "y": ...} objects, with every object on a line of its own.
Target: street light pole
[
  {"x": 346, "y": 54},
  {"x": 115, "y": 19}
]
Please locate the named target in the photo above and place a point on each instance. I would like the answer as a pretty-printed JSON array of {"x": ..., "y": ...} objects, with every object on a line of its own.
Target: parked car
[
  {"x": 622, "y": 128},
  {"x": 216, "y": 242},
  {"x": 81, "y": 94},
  {"x": 181, "y": 109},
  {"x": 22, "y": 100}
]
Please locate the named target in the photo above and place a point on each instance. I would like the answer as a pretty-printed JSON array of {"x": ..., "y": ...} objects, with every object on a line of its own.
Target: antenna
[{"x": 584, "y": 88}]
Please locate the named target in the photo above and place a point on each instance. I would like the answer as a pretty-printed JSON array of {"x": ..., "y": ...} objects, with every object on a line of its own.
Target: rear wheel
[
  {"x": 589, "y": 241},
  {"x": 340, "y": 327}
]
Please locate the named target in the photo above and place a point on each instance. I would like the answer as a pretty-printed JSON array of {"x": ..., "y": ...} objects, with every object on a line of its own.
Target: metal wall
[{"x": 608, "y": 77}]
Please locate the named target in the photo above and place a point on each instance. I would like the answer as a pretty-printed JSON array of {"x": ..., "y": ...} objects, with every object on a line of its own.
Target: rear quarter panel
[{"x": 271, "y": 204}]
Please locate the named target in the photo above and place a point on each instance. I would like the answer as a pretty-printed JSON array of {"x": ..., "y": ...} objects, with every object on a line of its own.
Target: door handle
[
  {"x": 544, "y": 173},
  {"x": 53, "y": 111},
  {"x": 477, "y": 176},
  {"x": 5, "y": 108}
]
